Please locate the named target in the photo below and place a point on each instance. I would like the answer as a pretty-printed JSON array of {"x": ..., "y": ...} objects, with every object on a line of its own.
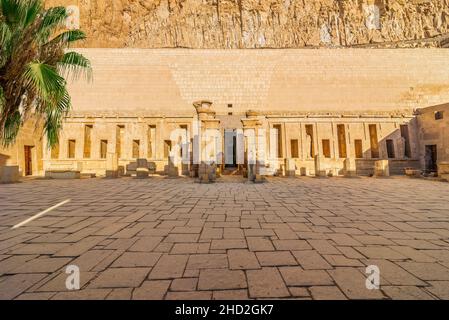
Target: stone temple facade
[
  {"x": 303, "y": 112},
  {"x": 255, "y": 112}
]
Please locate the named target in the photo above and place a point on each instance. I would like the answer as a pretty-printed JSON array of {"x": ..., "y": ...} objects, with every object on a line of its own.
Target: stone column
[
  {"x": 319, "y": 170},
  {"x": 350, "y": 169},
  {"x": 253, "y": 124},
  {"x": 207, "y": 168}
]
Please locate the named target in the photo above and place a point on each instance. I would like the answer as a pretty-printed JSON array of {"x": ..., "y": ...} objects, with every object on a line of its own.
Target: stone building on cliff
[{"x": 253, "y": 87}]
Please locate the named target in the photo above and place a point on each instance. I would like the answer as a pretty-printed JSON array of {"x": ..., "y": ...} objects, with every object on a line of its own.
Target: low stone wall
[
  {"x": 397, "y": 167},
  {"x": 63, "y": 174},
  {"x": 365, "y": 167}
]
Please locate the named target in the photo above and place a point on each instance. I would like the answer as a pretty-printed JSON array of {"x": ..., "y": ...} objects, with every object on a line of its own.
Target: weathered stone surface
[
  {"x": 266, "y": 283},
  {"x": 169, "y": 266},
  {"x": 120, "y": 278},
  {"x": 404, "y": 236},
  {"x": 258, "y": 24},
  {"x": 220, "y": 279}
]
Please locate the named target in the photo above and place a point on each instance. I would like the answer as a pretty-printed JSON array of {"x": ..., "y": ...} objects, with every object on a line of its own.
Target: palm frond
[
  {"x": 54, "y": 117},
  {"x": 32, "y": 11},
  {"x": 53, "y": 19},
  {"x": 2, "y": 100},
  {"x": 67, "y": 37},
  {"x": 33, "y": 65},
  {"x": 12, "y": 10},
  {"x": 20, "y": 13},
  {"x": 5, "y": 42},
  {"x": 5, "y": 34},
  {"x": 44, "y": 80},
  {"x": 76, "y": 64},
  {"x": 11, "y": 128}
]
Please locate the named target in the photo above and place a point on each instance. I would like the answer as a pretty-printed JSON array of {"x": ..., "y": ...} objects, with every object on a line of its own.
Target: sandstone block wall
[
  {"x": 291, "y": 128},
  {"x": 30, "y": 135},
  {"x": 433, "y": 131},
  {"x": 167, "y": 81}
]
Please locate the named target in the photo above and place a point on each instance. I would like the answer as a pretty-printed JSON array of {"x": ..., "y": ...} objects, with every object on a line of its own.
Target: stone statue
[
  {"x": 309, "y": 146},
  {"x": 401, "y": 148}
]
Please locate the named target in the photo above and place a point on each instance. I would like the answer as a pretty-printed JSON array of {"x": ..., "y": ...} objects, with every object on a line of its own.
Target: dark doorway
[
  {"x": 374, "y": 141},
  {"x": 28, "y": 160},
  {"x": 230, "y": 149},
  {"x": 406, "y": 136},
  {"x": 390, "y": 149},
  {"x": 431, "y": 158}
]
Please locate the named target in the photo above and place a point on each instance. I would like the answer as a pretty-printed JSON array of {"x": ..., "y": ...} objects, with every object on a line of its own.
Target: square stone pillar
[
  {"x": 252, "y": 124},
  {"x": 207, "y": 167},
  {"x": 9, "y": 174},
  {"x": 112, "y": 165},
  {"x": 290, "y": 167},
  {"x": 382, "y": 168},
  {"x": 319, "y": 170},
  {"x": 350, "y": 169}
]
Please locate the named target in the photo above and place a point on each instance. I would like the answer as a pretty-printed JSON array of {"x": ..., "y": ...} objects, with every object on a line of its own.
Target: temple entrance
[
  {"x": 28, "y": 160},
  {"x": 230, "y": 148},
  {"x": 431, "y": 158}
]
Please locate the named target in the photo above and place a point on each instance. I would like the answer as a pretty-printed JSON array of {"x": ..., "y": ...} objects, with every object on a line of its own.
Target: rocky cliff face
[{"x": 261, "y": 23}]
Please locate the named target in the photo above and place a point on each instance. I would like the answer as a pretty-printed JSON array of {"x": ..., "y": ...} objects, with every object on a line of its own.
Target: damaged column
[
  {"x": 254, "y": 157},
  {"x": 111, "y": 165},
  {"x": 208, "y": 149}
]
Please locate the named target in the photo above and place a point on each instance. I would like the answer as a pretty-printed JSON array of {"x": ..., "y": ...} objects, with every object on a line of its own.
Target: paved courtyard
[{"x": 298, "y": 238}]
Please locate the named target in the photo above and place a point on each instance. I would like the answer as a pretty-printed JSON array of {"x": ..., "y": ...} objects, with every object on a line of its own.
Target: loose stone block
[
  {"x": 9, "y": 174},
  {"x": 382, "y": 168},
  {"x": 443, "y": 170},
  {"x": 142, "y": 173},
  {"x": 142, "y": 163},
  {"x": 63, "y": 174},
  {"x": 111, "y": 173},
  {"x": 207, "y": 173},
  {"x": 290, "y": 167}
]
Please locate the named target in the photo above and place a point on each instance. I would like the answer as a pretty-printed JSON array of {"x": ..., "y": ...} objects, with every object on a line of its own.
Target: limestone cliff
[{"x": 261, "y": 23}]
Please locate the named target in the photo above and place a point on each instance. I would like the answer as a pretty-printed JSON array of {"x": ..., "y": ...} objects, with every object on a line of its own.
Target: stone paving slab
[{"x": 298, "y": 238}]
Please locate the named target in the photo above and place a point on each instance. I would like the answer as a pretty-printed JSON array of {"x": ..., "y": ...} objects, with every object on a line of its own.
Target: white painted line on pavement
[{"x": 40, "y": 214}]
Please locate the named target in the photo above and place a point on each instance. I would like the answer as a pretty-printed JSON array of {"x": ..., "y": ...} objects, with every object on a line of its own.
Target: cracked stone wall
[{"x": 258, "y": 23}]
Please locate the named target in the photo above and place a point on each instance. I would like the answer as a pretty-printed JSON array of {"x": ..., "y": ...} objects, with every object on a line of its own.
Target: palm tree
[{"x": 34, "y": 62}]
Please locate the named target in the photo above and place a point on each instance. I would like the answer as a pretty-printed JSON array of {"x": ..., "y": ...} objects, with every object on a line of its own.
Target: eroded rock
[{"x": 260, "y": 23}]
